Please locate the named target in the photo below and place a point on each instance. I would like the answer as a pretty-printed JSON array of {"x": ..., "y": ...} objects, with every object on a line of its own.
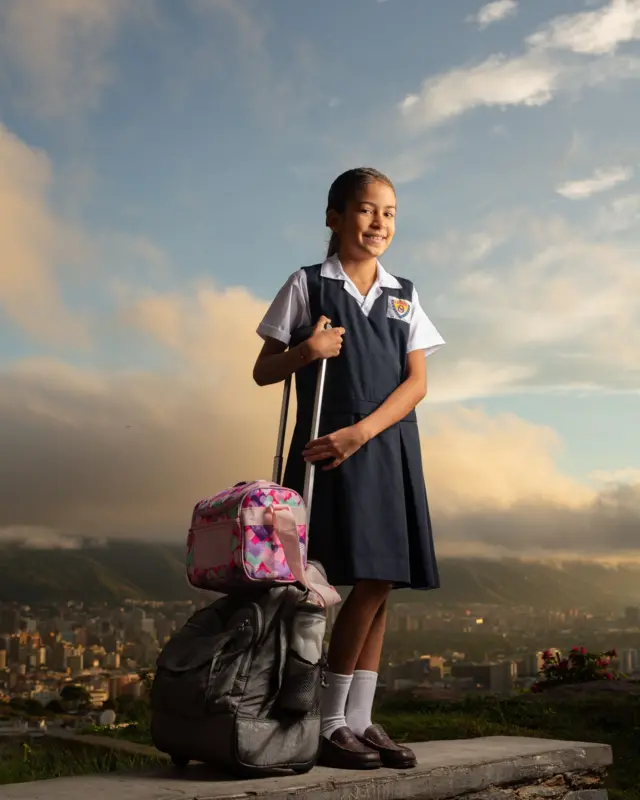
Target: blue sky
[{"x": 164, "y": 167}]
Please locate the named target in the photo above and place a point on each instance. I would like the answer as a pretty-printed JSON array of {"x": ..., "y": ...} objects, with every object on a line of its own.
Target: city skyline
[{"x": 164, "y": 167}]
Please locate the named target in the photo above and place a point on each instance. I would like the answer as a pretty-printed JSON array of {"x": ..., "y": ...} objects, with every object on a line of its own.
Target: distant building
[
  {"x": 495, "y": 677},
  {"x": 76, "y": 664},
  {"x": 530, "y": 665},
  {"x": 416, "y": 672},
  {"x": 629, "y": 661}
]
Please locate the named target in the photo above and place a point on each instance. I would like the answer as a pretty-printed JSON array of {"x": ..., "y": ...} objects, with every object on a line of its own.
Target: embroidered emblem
[{"x": 398, "y": 308}]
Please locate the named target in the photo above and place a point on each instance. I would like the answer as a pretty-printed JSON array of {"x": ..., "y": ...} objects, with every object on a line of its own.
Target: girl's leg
[
  {"x": 353, "y": 625},
  {"x": 365, "y": 678},
  {"x": 349, "y": 642},
  {"x": 361, "y": 696}
]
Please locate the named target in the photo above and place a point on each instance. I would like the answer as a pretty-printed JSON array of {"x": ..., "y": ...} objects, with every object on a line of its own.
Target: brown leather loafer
[
  {"x": 395, "y": 756},
  {"x": 345, "y": 751}
]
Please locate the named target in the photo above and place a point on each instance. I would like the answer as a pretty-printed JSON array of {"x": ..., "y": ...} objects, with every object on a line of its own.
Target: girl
[{"x": 370, "y": 525}]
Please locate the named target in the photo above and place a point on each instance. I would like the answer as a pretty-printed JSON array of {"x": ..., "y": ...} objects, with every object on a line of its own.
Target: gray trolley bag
[{"x": 238, "y": 686}]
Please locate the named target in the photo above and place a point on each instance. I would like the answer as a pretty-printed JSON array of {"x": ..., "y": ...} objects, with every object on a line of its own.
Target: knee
[{"x": 378, "y": 590}]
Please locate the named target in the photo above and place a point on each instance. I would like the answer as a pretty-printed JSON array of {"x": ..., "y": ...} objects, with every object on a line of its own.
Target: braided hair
[{"x": 344, "y": 188}]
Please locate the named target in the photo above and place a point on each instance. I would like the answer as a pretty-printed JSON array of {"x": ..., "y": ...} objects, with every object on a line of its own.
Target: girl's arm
[
  {"x": 400, "y": 402},
  {"x": 275, "y": 363}
]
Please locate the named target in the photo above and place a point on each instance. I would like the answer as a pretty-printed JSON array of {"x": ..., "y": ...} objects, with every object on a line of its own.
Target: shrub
[{"x": 580, "y": 666}]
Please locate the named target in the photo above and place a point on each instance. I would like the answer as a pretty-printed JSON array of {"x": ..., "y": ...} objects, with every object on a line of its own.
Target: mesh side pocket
[{"x": 300, "y": 685}]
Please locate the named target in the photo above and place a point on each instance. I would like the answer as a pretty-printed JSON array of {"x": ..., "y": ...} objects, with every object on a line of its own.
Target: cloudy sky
[{"x": 163, "y": 169}]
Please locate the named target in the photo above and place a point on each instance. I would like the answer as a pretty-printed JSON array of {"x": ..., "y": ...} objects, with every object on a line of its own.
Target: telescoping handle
[{"x": 310, "y": 470}]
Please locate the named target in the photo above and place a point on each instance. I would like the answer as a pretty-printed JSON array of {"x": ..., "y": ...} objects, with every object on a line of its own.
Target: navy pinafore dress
[{"x": 369, "y": 518}]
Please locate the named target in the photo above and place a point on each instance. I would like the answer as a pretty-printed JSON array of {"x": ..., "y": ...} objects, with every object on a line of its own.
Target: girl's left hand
[{"x": 339, "y": 446}]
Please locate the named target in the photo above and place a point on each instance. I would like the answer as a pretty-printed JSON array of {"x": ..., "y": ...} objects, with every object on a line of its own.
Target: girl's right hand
[{"x": 325, "y": 343}]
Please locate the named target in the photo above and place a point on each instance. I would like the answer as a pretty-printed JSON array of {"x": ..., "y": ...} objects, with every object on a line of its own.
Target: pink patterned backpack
[{"x": 257, "y": 532}]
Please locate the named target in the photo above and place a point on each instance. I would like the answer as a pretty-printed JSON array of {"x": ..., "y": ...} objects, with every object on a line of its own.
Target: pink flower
[
  {"x": 583, "y": 651},
  {"x": 609, "y": 676}
]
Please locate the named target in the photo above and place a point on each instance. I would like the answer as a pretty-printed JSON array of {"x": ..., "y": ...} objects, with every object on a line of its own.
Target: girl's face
[{"x": 368, "y": 223}]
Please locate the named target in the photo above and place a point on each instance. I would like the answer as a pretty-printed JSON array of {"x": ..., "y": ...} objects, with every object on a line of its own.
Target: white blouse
[{"x": 290, "y": 309}]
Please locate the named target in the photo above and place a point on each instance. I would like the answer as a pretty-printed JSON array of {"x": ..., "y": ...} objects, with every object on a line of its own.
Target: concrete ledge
[{"x": 445, "y": 769}]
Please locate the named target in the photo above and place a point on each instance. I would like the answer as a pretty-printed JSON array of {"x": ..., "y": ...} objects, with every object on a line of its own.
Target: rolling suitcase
[
  {"x": 239, "y": 685},
  {"x": 256, "y": 532}
]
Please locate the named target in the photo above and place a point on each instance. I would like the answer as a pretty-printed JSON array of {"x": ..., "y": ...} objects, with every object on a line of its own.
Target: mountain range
[{"x": 123, "y": 570}]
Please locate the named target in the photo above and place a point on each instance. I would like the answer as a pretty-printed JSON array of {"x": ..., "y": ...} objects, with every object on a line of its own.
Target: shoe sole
[
  {"x": 406, "y": 765},
  {"x": 363, "y": 766}
]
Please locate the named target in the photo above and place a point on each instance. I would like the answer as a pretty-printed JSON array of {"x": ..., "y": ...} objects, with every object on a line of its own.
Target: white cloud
[
  {"x": 457, "y": 249},
  {"x": 495, "y": 11},
  {"x": 530, "y": 80},
  {"x": 626, "y": 476},
  {"x": 596, "y": 32},
  {"x": 620, "y": 215},
  {"x": 559, "y": 315},
  {"x": 601, "y": 181},
  {"x": 466, "y": 379},
  {"x": 536, "y": 76}
]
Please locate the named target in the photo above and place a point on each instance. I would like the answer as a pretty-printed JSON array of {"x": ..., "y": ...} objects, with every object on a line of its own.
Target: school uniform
[{"x": 370, "y": 517}]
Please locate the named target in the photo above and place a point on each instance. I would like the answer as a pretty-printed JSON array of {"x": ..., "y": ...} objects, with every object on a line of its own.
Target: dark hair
[{"x": 344, "y": 189}]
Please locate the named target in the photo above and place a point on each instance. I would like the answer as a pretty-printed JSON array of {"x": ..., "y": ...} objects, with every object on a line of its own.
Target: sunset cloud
[
  {"x": 58, "y": 52},
  {"x": 105, "y": 454},
  {"x": 34, "y": 243}
]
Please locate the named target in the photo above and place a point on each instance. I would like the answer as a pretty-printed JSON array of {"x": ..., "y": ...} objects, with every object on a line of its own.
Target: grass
[
  {"x": 37, "y": 759},
  {"x": 608, "y": 719},
  {"x": 134, "y": 732}
]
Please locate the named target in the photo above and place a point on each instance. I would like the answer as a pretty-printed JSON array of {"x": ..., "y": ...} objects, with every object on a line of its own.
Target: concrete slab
[{"x": 445, "y": 769}]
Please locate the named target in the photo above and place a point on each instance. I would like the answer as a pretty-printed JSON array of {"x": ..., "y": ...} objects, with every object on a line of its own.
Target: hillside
[{"x": 151, "y": 571}]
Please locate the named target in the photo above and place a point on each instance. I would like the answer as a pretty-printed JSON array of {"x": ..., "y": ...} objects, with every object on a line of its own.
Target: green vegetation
[
  {"x": 39, "y": 759},
  {"x": 110, "y": 574},
  {"x": 580, "y": 666},
  {"x": 137, "y": 732},
  {"x": 607, "y": 718},
  {"x": 139, "y": 570}
]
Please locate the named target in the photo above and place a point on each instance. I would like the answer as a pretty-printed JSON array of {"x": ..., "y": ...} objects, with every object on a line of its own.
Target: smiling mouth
[{"x": 375, "y": 238}]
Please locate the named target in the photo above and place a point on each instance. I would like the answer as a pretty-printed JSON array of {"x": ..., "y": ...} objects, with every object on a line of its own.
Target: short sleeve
[
  {"x": 422, "y": 332},
  {"x": 289, "y": 310}
]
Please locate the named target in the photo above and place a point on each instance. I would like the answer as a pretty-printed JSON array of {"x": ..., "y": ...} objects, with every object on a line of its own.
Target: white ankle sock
[
  {"x": 333, "y": 702},
  {"x": 360, "y": 700}
]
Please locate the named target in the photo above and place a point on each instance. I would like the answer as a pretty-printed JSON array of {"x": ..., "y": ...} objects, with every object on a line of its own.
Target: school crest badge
[{"x": 399, "y": 308}]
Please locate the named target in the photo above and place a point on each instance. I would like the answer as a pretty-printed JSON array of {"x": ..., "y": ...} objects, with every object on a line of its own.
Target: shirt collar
[{"x": 332, "y": 268}]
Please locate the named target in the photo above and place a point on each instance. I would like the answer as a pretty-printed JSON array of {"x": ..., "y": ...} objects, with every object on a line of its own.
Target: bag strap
[{"x": 320, "y": 590}]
